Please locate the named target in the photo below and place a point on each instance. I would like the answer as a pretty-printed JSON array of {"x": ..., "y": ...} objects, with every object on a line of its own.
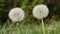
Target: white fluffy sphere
[
  {"x": 40, "y": 11},
  {"x": 16, "y": 14}
]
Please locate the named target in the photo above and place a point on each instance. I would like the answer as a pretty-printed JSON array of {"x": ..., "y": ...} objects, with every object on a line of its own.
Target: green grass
[{"x": 53, "y": 28}]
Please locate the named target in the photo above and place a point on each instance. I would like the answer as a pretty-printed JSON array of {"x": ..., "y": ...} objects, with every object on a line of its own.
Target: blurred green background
[
  {"x": 29, "y": 24},
  {"x": 27, "y": 6}
]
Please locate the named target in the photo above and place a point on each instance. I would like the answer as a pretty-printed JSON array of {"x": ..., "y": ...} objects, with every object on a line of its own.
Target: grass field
[{"x": 53, "y": 28}]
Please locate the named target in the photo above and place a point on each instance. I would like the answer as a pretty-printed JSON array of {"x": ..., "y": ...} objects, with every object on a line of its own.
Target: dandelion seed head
[
  {"x": 40, "y": 11},
  {"x": 16, "y": 14}
]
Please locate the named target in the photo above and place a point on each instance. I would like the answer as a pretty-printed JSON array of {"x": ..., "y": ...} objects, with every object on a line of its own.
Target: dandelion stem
[
  {"x": 43, "y": 27},
  {"x": 55, "y": 28}
]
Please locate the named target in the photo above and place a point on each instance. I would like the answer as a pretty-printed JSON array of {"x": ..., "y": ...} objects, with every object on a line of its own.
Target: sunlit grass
[{"x": 53, "y": 28}]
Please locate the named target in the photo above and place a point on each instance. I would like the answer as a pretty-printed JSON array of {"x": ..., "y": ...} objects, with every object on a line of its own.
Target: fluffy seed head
[
  {"x": 40, "y": 11},
  {"x": 16, "y": 14}
]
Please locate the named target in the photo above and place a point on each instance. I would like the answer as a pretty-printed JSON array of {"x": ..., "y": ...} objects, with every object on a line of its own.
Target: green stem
[{"x": 43, "y": 27}]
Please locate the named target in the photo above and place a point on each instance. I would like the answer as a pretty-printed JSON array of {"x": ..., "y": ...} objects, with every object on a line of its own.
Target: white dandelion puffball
[
  {"x": 16, "y": 14},
  {"x": 40, "y": 11}
]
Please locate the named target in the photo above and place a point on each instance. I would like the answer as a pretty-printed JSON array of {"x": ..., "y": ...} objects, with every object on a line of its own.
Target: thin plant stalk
[
  {"x": 55, "y": 28},
  {"x": 43, "y": 27}
]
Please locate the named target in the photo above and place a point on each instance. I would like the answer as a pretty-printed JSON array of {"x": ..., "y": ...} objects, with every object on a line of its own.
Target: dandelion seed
[
  {"x": 40, "y": 11},
  {"x": 16, "y": 14}
]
